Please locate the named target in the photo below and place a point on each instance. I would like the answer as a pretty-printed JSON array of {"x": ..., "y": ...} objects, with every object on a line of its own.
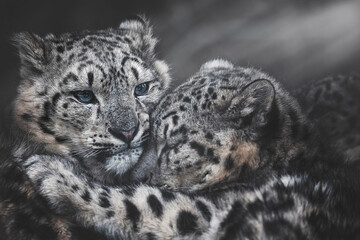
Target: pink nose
[{"x": 126, "y": 136}]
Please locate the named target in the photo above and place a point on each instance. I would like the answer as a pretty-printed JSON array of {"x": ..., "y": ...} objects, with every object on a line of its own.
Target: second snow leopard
[
  {"x": 249, "y": 160},
  {"x": 86, "y": 96}
]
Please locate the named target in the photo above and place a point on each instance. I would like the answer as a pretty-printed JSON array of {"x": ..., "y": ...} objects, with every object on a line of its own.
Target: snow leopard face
[{"x": 89, "y": 94}]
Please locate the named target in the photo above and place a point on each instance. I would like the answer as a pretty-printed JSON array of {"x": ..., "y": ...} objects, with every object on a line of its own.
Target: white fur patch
[
  {"x": 122, "y": 162},
  {"x": 217, "y": 63},
  {"x": 289, "y": 180},
  {"x": 133, "y": 25}
]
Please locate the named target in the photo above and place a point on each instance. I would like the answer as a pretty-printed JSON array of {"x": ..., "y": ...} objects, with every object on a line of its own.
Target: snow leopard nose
[{"x": 125, "y": 135}]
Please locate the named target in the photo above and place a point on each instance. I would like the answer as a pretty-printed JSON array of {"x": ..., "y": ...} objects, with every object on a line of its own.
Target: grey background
[{"x": 296, "y": 41}]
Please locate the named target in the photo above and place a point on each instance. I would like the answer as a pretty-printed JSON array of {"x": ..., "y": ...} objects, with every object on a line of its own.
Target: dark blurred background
[{"x": 296, "y": 41}]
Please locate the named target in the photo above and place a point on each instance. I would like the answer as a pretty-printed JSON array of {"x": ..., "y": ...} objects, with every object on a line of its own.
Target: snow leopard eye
[
  {"x": 141, "y": 89},
  {"x": 85, "y": 96}
]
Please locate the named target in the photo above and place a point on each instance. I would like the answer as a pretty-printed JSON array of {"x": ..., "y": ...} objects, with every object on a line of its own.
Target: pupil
[{"x": 141, "y": 89}]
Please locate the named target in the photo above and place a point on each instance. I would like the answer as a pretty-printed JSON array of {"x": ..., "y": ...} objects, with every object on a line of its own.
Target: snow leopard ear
[
  {"x": 34, "y": 52},
  {"x": 217, "y": 63},
  {"x": 140, "y": 26},
  {"x": 252, "y": 106}
]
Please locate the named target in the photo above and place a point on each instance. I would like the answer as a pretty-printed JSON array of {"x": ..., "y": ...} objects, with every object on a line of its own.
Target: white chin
[{"x": 122, "y": 162}]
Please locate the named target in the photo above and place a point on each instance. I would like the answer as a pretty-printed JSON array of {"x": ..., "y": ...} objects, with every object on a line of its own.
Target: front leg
[{"x": 137, "y": 212}]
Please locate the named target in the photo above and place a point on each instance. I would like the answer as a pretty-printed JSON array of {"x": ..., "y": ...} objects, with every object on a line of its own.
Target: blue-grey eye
[
  {"x": 85, "y": 96},
  {"x": 141, "y": 89}
]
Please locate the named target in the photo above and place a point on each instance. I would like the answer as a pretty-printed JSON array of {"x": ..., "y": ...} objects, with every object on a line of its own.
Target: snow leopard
[
  {"x": 86, "y": 96},
  {"x": 231, "y": 156},
  {"x": 89, "y": 94}
]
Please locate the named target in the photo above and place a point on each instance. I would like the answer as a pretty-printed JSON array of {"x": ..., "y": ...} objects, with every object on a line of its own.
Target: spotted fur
[
  {"x": 110, "y": 63},
  {"x": 239, "y": 160},
  {"x": 236, "y": 124},
  {"x": 50, "y": 119}
]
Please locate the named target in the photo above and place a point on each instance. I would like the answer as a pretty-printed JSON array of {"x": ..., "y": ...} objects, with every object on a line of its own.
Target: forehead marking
[
  {"x": 135, "y": 72},
  {"x": 70, "y": 76},
  {"x": 90, "y": 76}
]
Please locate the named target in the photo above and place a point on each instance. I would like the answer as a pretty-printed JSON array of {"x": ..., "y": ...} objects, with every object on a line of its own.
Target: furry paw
[
  {"x": 38, "y": 166},
  {"x": 54, "y": 178}
]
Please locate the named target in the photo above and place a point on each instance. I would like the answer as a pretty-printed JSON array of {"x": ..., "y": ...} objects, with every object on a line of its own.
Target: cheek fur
[{"x": 76, "y": 116}]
